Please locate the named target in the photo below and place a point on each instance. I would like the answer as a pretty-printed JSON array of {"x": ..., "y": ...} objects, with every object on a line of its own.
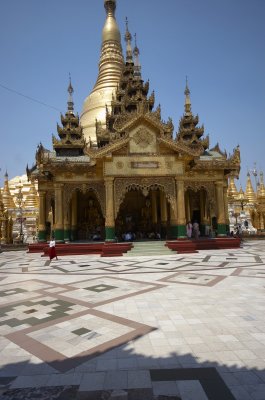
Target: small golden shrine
[{"x": 120, "y": 168}]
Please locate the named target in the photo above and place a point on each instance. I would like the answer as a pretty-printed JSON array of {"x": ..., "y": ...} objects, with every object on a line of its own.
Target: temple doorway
[
  {"x": 140, "y": 216},
  {"x": 90, "y": 221}
]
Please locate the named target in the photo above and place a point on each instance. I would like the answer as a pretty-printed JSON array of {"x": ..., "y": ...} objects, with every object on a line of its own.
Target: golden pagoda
[
  {"x": 121, "y": 168},
  {"x": 250, "y": 194},
  {"x": 110, "y": 67}
]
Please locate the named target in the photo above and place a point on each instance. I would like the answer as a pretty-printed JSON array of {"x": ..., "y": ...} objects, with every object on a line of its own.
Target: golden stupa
[{"x": 110, "y": 68}]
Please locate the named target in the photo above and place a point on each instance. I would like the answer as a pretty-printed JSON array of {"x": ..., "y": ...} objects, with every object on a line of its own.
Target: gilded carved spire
[
  {"x": 187, "y": 99},
  {"x": 71, "y": 142},
  {"x": 137, "y": 65},
  {"x": 232, "y": 190},
  {"x": 6, "y": 195},
  {"x": 189, "y": 133},
  {"x": 128, "y": 38},
  {"x": 250, "y": 194},
  {"x": 70, "y": 102},
  {"x": 110, "y": 67}
]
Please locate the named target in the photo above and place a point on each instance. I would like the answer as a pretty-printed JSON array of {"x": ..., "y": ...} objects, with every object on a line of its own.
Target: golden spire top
[
  {"x": 128, "y": 38},
  {"x": 187, "y": 99},
  {"x": 232, "y": 190},
  {"x": 250, "y": 194},
  {"x": 111, "y": 30},
  {"x": 137, "y": 65},
  {"x": 70, "y": 90}
]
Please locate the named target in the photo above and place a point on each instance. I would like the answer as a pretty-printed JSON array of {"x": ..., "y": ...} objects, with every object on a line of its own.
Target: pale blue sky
[{"x": 218, "y": 44}]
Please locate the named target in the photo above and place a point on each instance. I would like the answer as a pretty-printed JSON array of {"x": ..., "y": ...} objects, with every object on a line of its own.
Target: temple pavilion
[{"x": 120, "y": 168}]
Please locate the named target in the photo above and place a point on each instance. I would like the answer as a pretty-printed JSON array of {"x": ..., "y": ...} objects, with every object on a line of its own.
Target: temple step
[{"x": 156, "y": 248}]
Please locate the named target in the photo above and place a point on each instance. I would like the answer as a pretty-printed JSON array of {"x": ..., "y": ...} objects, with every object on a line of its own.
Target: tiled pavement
[{"x": 189, "y": 327}]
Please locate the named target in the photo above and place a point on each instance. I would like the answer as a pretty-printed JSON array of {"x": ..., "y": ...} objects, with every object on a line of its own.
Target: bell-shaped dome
[{"x": 110, "y": 68}]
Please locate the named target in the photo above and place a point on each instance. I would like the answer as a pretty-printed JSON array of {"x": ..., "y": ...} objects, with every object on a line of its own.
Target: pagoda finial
[
  {"x": 128, "y": 38},
  {"x": 187, "y": 99},
  {"x": 110, "y": 30},
  {"x": 137, "y": 65},
  {"x": 70, "y": 90}
]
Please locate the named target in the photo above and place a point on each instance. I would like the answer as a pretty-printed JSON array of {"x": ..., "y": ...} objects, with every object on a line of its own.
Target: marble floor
[{"x": 180, "y": 326}]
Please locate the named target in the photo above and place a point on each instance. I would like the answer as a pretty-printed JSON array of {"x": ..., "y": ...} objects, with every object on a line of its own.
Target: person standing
[
  {"x": 196, "y": 230},
  {"x": 189, "y": 229},
  {"x": 52, "y": 250}
]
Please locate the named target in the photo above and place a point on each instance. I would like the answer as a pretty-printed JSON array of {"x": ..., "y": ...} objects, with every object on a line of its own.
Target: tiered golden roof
[
  {"x": 189, "y": 133},
  {"x": 6, "y": 195},
  {"x": 71, "y": 142}
]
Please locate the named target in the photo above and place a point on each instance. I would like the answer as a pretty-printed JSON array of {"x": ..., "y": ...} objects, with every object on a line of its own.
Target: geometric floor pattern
[{"x": 180, "y": 326}]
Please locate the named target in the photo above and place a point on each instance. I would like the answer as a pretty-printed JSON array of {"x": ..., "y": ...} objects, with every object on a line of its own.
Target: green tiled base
[
  {"x": 221, "y": 229},
  {"x": 59, "y": 235},
  {"x": 42, "y": 236},
  {"x": 110, "y": 233}
]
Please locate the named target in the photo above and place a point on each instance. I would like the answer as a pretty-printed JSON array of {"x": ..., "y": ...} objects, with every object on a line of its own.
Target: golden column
[
  {"x": 181, "y": 213},
  {"x": 109, "y": 221},
  {"x": 221, "y": 218},
  {"x": 226, "y": 208},
  {"x": 74, "y": 216},
  {"x": 59, "y": 228},
  {"x": 163, "y": 212},
  {"x": 42, "y": 216},
  {"x": 154, "y": 206},
  {"x": 66, "y": 222}
]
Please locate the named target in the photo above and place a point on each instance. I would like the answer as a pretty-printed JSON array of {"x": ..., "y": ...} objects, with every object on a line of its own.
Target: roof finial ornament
[
  {"x": 128, "y": 38},
  {"x": 137, "y": 65},
  {"x": 70, "y": 90},
  {"x": 187, "y": 99}
]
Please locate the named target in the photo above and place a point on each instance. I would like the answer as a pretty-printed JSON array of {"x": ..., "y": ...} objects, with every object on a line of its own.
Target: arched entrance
[
  {"x": 90, "y": 221},
  {"x": 143, "y": 216},
  {"x": 198, "y": 208}
]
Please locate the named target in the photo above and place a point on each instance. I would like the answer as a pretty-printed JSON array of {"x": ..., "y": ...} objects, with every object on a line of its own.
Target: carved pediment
[{"x": 142, "y": 140}]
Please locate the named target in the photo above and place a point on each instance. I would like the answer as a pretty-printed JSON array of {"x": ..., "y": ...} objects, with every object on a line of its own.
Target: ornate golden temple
[{"x": 120, "y": 168}]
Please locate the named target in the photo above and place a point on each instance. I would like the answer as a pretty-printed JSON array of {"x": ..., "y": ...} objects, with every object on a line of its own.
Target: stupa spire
[
  {"x": 128, "y": 38},
  {"x": 6, "y": 195},
  {"x": 250, "y": 194},
  {"x": 187, "y": 99},
  {"x": 232, "y": 190},
  {"x": 137, "y": 65},
  {"x": 110, "y": 67},
  {"x": 70, "y": 103}
]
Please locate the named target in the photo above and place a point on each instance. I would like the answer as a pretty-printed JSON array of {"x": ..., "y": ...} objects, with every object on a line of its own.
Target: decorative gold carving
[
  {"x": 97, "y": 187},
  {"x": 123, "y": 185},
  {"x": 119, "y": 164},
  {"x": 209, "y": 187},
  {"x": 143, "y": 138}
]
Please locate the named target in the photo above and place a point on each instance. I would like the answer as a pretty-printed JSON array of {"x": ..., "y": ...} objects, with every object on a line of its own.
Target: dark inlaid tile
[
  {"x": 81, "y": 331},
  {"x": 100, "y": 288},
  {"x": 9, "y": 292}
]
